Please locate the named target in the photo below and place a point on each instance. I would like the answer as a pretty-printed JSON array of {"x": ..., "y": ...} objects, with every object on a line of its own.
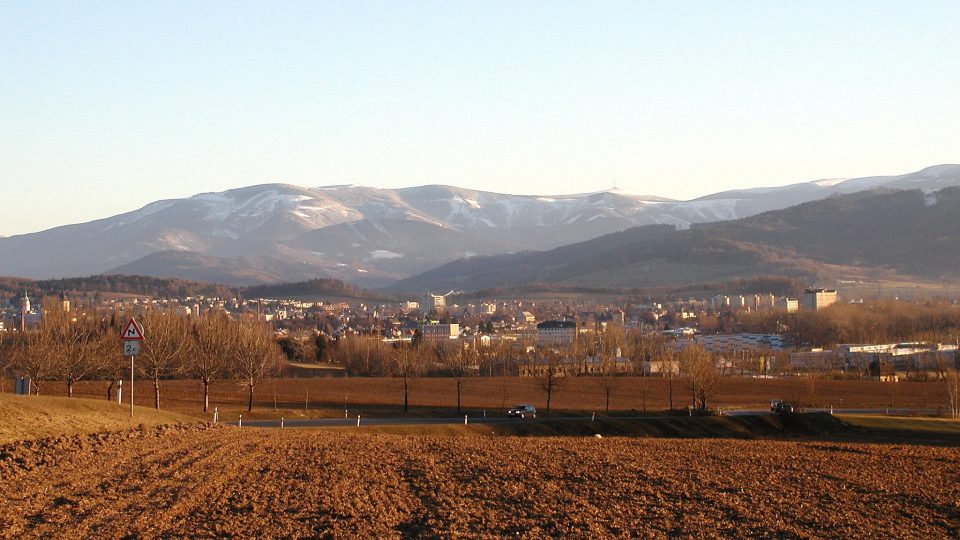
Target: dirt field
[
  {"x": 379, "y": 396},
  {"x": 197, "y": 482}
]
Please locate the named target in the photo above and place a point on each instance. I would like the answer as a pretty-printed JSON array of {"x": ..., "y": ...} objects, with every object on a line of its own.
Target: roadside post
[{"x": 132, "y": 337}]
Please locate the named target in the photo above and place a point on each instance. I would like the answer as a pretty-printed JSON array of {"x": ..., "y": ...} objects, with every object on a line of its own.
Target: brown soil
[
  {"x": 216, "y": 482},
  {"x": 380, "y": 396}
]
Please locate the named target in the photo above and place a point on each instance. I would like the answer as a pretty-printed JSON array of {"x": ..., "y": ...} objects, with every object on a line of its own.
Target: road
[
  {"x": 835, "y": 410},
  {"x": 416, "y": 421}
]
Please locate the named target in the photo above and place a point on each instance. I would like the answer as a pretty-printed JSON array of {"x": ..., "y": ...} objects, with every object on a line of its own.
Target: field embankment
[
  {"x": 292, "y": 483},
  {"x": 33, "y": 417},
  {"x": 383, "y": 396}
]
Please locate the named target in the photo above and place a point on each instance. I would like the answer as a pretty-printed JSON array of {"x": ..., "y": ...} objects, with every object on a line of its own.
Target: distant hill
[
  {"x": 878, "y": 233},
  {"x": 244, "y": 270},
  {"x": 276, "y": 233},
  {"x": 178, "y": 288},
  {"x": 138, "y": 285}
]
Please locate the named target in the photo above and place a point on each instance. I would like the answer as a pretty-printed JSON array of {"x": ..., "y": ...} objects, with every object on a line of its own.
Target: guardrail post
[
  {"x": 358, "y": 420},
  {"x": 281, "y": 422},
  {"x": 240, "y": 422},
  {"x": 464, "y": 419},
  {"x": 593, "y": 417}
]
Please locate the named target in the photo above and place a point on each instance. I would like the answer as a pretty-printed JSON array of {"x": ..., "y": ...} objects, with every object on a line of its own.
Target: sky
[{"x": 107, "y": 106}]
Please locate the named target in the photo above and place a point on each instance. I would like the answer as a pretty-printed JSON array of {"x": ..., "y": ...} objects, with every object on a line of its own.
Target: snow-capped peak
[{"x": 829, "y": 182}]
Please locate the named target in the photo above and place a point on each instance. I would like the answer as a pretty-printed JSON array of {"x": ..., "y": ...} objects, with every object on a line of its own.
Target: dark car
[
  {"x": 522, "y": 411},
  {"x": 783, "y": 408}
]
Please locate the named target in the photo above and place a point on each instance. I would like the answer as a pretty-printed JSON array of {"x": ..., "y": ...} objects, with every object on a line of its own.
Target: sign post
[{"x": 132, "y": 336}]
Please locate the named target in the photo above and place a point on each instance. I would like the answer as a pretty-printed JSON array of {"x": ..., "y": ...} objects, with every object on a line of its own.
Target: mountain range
[
  {"x": 876, "y": 234},
  {"x": 276, "y": 233}
]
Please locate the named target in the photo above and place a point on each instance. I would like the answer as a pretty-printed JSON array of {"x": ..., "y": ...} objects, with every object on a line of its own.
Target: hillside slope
[
  {"x": 33, "y": 417},
  {"x": 909, "y": 233}
]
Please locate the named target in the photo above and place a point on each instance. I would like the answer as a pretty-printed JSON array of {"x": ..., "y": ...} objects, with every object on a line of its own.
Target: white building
[
  {"x": 438, "y": 302},
  {"x": 556, "y": 333},
  {"x": 790, "y": 305},
  {"x": 818, "y": 298}
]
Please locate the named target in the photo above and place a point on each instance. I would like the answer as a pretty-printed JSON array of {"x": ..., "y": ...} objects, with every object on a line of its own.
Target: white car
[{"x": 522, "y": 411}]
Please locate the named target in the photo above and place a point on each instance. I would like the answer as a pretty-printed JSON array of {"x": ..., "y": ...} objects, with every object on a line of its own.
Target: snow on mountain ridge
[{"x": 335, "y": 230}]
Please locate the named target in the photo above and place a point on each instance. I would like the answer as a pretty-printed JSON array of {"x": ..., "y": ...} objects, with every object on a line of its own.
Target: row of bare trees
[
  {"x": 209, "y": 348},
  {"x": 879, "y": 321},
  {"x": 610, "y": 351}
]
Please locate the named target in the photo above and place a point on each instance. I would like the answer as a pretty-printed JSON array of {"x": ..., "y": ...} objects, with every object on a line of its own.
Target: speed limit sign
[{"x": 131, "y": 348}]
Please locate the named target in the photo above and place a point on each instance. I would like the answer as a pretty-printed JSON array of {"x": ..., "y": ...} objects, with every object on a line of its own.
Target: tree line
[
  {"x": 882, "y": 321},
  {"x": 608, "y": 353},
  {"x": 209, "y": 348}
]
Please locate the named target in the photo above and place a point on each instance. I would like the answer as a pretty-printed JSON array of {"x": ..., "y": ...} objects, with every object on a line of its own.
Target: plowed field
[{"x": 178, "y": 481}]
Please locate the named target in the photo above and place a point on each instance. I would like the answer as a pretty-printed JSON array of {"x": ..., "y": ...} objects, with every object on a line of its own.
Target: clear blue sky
[{"x": 107, "y": 106}]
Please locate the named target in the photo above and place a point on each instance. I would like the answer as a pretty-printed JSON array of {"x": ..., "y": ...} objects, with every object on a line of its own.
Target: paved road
[
  {"x": 402, "y": 421},
  {"x": 835, "y": 410},
  {"x": 332, "y": 422}
]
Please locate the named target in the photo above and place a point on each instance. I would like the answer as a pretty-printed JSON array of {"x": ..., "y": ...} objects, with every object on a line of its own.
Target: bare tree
[
  {"x": 113, "y": 360},
  {"x": 8, "y": 347},
  {"x": 953, "y": 393},
  {"x": 406, "y": 363},
  {"x": 361, "y": 355},
  {"x": 255, "y": 354},
  {"x": 639, "y": 350},
  {"x": 209, "y": 347},
  {"x": 35, "y": 357},
  {"x": 609, "y": 349},
  {"x": 697, "y": 365},
  {"x": 666, "y": 362},
  {"x": 163, "y": 353},
  {"x": 555, "y": 370},
  {"x": 456, "y": 362},
  {"x": 84, "y": 350}
]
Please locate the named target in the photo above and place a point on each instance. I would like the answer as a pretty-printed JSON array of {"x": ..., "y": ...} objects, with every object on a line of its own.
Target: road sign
[
  {"x": 132, "y": 331},
  {"x": 131, "y": 348}
]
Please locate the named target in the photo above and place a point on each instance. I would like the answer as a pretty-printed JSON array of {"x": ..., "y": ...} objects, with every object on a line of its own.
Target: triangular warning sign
[{"x": 132, "y": 332}]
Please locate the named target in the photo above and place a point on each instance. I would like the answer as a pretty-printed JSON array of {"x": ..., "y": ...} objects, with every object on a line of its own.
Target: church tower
[{"x": 24, "y": 309}]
